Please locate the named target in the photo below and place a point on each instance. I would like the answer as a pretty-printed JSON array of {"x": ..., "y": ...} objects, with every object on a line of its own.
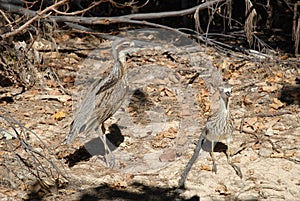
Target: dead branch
[
  {"x": 250, "y": 21},
  {"x": 259, "y": 138},
  {"x": 37, "y": 15},
  {"x": 6, "y": 19},
  {"x": 31, "y": 162},
  {"x": 273, "y": 114},
  {"x": 109, "y": 37},
  {"x": 131, "y": 18},
  {"x": 262, "y": 115},
  {"x": 94, "y": 4},
  {"x": 296, "y": 28}
]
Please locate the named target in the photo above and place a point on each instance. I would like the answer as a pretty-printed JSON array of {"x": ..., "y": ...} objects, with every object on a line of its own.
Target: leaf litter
[{"x": 264, "y": 105}]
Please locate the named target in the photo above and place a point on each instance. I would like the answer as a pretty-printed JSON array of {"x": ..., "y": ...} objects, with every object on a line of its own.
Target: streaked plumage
[
  {"x": 104, "y": 98},
  {"x": 219, "y": 127}
]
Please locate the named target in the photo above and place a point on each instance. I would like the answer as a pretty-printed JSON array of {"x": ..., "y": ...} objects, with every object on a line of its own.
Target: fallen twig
[
  {"x": 265, "y": 114},
  {"x": 38, "y": 163}
]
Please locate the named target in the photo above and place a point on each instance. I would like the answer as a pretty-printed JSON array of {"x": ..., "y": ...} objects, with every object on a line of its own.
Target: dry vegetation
[{"x": 39, "y": 65}]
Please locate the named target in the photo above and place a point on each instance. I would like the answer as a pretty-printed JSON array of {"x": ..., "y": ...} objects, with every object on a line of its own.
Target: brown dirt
[{"x": 264, "y": 105}]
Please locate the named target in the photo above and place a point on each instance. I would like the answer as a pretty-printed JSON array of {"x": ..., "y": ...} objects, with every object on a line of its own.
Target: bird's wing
[
  {"x": 100, "y": 104},
  {"x": 81, "y": 117}
]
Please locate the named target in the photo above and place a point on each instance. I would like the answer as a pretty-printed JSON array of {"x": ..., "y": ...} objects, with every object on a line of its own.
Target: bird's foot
[
  {"x": 109, "y": 160},
  {"x": 181, "y": 183},
  {"x": 237, "y": 170}
]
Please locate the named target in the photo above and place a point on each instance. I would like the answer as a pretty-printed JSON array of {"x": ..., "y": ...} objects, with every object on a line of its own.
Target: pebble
[
  {"x": 287, "y": 166},
  {"x": 173, "y": 78},
  {"x": 168, "y": 156},
  {"x": 264, "y": 152}
]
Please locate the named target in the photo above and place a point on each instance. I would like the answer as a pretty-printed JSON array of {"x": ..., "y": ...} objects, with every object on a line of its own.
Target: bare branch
[
  {"x": 107, "y": 20},
  {"x": 31, "y": 161},
  {"x": 94, "y": 4},
  {"x": 6, "y": 18},
  {"x": 36, "y": 16},
  {"x": 250, "y": 21}
]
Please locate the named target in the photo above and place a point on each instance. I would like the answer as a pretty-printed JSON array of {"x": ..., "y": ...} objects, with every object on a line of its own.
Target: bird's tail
[{"x": 192, "y": 160}]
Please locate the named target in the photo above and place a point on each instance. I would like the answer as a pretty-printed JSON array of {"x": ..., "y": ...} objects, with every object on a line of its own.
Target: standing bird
[
  {"x": 103, "y": 99},
  {"x": 219, "y": 126}
]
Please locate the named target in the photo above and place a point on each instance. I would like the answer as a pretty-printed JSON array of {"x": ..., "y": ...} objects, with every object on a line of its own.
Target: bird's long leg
[
  {"x": 108, "y": 156},
  {"x": 236, "y": 168},
  {"x": 214, "y": 166}
]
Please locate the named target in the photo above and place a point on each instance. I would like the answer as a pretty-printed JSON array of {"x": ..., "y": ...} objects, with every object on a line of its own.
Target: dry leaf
[
  {"x": 248, "y": 129},
  {"x": 169, "y": 93},
  {"x": 171, "y": 133},
  {"x": 205, "y": 167},
  {"x": 251, "y": 121},
  {"x": 259, "y": 126},
  {"x": 54, "y": 92},
  {"x": 23, "y": 186},
  {"x": 234, "y": 79},
  {"x": 276, "y": 78},
  {"x": 234, "y": 82},
  {"x": 59, "y": 116},
  {"x": 169, "y": 111},
  {"x": 60, "y": 98},
  {"x": 201, "y": 82},
  {"x": 69, "y": 79},
  {"x": 224, "y": 64},
  {"x": 253, "y": 158},
  {"x": 276, "y": 104},
  {"x": 120, "y": 184},
  {"x": 222, "y": 189},
  {"x": 247, "y": 101},
  {"x": 289, "y": 153},
  {"x": 34, "y": 92},
  {"x": 128, "y": 177},
  {"x": 277, "y": 155},
  {"x": 270, "y": 122},
  {"x": 269, "y": 89},
  {"x": 204, "y": 92}
]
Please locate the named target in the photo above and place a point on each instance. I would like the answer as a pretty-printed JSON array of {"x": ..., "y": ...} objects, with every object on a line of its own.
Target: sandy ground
[{"x": 160, "y": 122}]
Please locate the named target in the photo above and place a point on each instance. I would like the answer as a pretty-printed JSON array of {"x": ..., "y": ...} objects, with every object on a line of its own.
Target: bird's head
[
  {"x": 225, "y": 93},
  {"x": 225, "y": 90}
]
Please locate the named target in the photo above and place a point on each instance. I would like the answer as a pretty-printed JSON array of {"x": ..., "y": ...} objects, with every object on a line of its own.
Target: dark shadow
[
  {"x": 218, "y": 146},
  {"x": 6, "y": 99},
  {"x": 79, "y": 155},
  {"x": 96, "y": 146},
  {"x": 140, "y": 192},
  {"x": 37, "y": 192},
  {"x": 290, "y": 94},
  {"x": 139, "y": 101},
  {"x": 41, "y": 190},
  {"x": 139, "y": 105},
  {"x": 115, "y": 135},
  {"x": 5, "y": 82},
  {"x": 221, "y": 147}
]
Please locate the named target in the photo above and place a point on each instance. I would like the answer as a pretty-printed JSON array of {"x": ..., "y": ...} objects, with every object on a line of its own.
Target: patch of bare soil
[{"x": 150, "y": 159}]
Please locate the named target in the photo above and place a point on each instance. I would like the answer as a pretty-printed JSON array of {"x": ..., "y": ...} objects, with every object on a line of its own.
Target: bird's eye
[{"x": 227, "y": 93}]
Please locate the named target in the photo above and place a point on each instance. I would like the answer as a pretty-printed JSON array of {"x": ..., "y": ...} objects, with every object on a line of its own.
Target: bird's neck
[{"x": 224, "y": 106}]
